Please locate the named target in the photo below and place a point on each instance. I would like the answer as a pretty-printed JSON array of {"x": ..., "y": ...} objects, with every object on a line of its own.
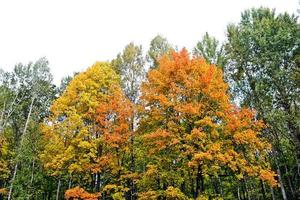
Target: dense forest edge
[{"x": 219, "y": 121}]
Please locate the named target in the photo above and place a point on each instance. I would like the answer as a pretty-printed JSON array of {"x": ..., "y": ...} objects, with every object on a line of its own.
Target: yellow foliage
[
  {"x": 149, "y": 195},
  {"x": 174, "y": 194}
]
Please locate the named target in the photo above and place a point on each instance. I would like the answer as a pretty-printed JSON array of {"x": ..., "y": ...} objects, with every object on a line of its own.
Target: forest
[{"x": 219, "y": 121}]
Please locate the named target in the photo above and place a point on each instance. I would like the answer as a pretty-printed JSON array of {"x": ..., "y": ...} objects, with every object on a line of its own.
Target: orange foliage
[
  {"x": 188, "y": 116},
  {"x": 3, "y": 190},
  {"x": 78, "y": 193},
  {"x": 114, "y": 118}
]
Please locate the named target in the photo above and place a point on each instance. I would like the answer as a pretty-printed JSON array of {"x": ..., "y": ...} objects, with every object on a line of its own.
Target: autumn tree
[
  {"x": 114, "y": 121},
  {"x": 87, "y": 136},
  {"x": 193, "y": 134},
  {"x": 130, "y": 66},
  {"x": 70, "y": 134}
]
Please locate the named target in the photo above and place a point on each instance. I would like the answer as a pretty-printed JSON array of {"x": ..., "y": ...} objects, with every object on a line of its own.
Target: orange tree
[{"x": 192, "y": 134}]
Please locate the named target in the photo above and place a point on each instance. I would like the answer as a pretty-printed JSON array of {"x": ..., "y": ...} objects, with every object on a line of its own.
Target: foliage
[
  {"x": 130, "y": 66},
  {"x": 159, "y": 46},
  {"x": 211, "y": 51},
  {"x": 79, "y": 193},
  {"x": 113, "y": 132},
  {"x": 190, "y": 127},
  {"x": 4, "y": 153},
  {"x": 263, "y": 72},
  {"x": 89, "y": 129},
  {"x": 70, "y": 132},
  {"x": 27, "y": 93}
]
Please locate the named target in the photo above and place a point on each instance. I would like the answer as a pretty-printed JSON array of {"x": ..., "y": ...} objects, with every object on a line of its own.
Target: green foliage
[
  {"x": 211, "y": 51},
  {"x": 130, "y": 66},
  {"x": 159, "y": 46},
  {"x": 263, "y": 71},
  {"x": 27, "y": 94}
]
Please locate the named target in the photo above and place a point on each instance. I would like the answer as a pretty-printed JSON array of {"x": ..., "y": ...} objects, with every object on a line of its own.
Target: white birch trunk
[{"x": 22, "y": 139}]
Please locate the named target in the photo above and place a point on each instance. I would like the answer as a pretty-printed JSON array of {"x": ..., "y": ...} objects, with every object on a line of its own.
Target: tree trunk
[
  {"x": 263, "y": 189},
  {"x": 58, "y": 188},
  {"x": 289, "y": 181},
  {"x": 32, "y": 171},
  {"x": 280, "y": 181},
  {"x": 70, "y": 183},
  {"x": 12, "y": 182},
  {"x": 199, "y": 180},
  {"x": 22, "y": 140},
  {"x": 246, "y": 190},
  {"x": 132, "y": 161},
  {"x": 238, "y": 193},
  {"x": 27, "y": 121},
  {"x": 272, "y": 193},
  {"x": 221, "y": 187},
  {"x": 2, "y": 117},
  {"x": 99, "y": 182},
  {"x": 191, "y": 182}
]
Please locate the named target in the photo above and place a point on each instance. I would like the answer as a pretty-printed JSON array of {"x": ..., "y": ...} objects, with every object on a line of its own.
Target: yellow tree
[
  {"x": 87, "y": 137},
  {"x": 193, "y": 133},
  {"x": 74, "y": 136}
]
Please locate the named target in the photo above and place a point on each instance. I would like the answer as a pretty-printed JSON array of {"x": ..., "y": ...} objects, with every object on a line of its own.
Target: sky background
[{"x": 74, "y": 34}]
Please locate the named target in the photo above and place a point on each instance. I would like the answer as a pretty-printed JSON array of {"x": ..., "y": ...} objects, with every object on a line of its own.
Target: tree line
[{"x": 220, "y": 122}]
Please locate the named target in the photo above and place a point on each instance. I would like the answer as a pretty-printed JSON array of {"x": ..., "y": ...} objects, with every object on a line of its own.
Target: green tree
[
  {"x": 264, "y": 75},
  {"x": 64, "y": 82},
  {"x": 28, "y": 92},
  {"x": 130, "y": 66},
  {"x": 210, "y": 49},
  {"x": 159, "y": 46}
]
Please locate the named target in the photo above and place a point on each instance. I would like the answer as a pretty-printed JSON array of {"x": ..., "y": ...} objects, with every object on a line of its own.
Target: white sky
[{"x": 73, "y": 34}]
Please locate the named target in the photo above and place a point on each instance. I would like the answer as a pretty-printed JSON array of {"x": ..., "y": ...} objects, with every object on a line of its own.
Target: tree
[
  {"x": 64, "y": 82},
  {"x": 159, "y": 46},
  {"x": 211, "y": 51},
  {"x": 87, "y": 135},
  {"x": 130, "y": 66},
  {"x": 192, "y": 133},
  {"x": 70, "y": 133},
  {"x": 114, "y": 119},
  {"x": 263, "y": 72},
  {"x": 27, "y": 93}
]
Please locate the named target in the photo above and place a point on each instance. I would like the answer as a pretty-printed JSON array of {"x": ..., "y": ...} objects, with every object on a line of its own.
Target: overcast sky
[{"x": 73, "y": 34}]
